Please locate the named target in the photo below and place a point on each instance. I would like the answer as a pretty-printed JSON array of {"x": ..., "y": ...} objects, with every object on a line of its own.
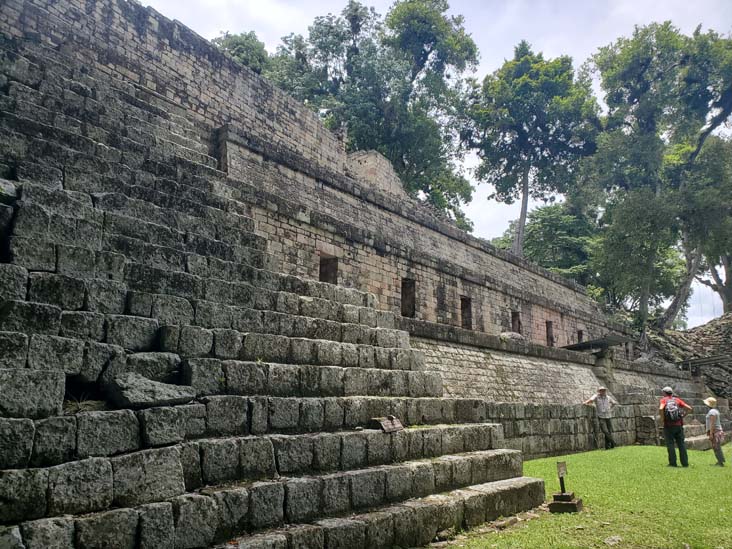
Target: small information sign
[
  {"x": 562, "y": 469},
  {"x": 389, "y": 424}
]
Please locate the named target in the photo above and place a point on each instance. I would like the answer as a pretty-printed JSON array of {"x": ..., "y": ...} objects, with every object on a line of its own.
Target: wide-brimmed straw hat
[
  {"x": 711, "y": 402},
  {"x": 601, "y": 388}
]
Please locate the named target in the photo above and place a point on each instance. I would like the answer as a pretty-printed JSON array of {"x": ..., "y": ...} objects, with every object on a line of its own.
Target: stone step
[
  {"x": 701, "y": 442},
  {"x": 413, "y": 523},
  {"x": 214, "y": 377},
  {"x": 117, "y": 481}
]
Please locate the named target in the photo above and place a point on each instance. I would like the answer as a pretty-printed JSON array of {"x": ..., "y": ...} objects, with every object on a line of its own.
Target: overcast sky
[{"x": 554, "y": 27}]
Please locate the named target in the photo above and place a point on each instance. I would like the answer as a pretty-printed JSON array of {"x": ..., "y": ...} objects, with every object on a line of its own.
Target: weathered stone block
[
  {"x": 266, "y": 504},
  {"x": 147, "y": 476},
  {"x": 245, "y": 378},
  {"x": 302, "y": 499},
  {"x": 132, "y": 333},
  {"x": 219, "y": 460},
  {"x": 379, "y": 447},
  {"x": 107, "y": 433},
  {"x": 233, "y": 507},
  {"x": 196, "y": 520},
  {"x": 161, "y": 426},
  {"x": 293, "y": 453},
  {"x": 256, "y": 458},
  {"x": 33, "y": 254},
  {"x": 98, "y": 357},
  {"x": 172, "y": 310},
  {"x": 343, "y": 533},
  {"x": 51, "y": 533},
  {"x": 227, "y": 343},
  {"x": 204, "y": 375},
  {"x": 328, "y": 353},
  {"x": 156, "y": 526},
  {"x": 22, "y": 494},
  {"x": 31, "y": 393},
  {"x": 16, "y": 442},
  {"x": 213, "y": 315},
  {"x": 284, "y": 413},
  {"x": 13, "y": 350},
  {"x": 305, "y": 535},
  {"x": 190, "y": 458},
  {"x": 82, "y": 325},
  {"x": 195, "y": 341},
  {"x": 302, "y": 351},
  {"x": 379, "y": 530},
  {"x": 134, "y": 391},
  {"x": 55, "y": 441},
  {"x": 283, "y": 380},
  {"x": 116, "y": 528},
  {"x": 56, "y": 353},
  {"x": 354, "y": 453},
  {"x": 368, "y": 487},
  {"x": 163, "y": 367},
  {"x": 80, "y": 486},
  {"x": 63, "y": 291},
  {"x": 226, "y": 415},
  {"x": 13, "y": 282},
  {"x": 29, "y": 318},
  {"x": 105, "y": 296},
  {"x": 266, "y": 347}
]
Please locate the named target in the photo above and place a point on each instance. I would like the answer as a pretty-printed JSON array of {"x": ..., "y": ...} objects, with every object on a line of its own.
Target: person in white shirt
[
  {"x": 604, "y": 406},
  {"x": 714, "y": 429}
]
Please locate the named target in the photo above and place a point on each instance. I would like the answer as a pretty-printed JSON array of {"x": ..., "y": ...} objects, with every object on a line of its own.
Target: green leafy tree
[
  {"x": 396, "y": 85},
  {"x": 246, "y": 48},
  {"x": 558, "y": 238},
  {"x": 534, "y": 120}
]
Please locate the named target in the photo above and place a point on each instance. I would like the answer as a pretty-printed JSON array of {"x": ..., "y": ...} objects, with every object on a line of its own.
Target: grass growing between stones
[{"x": 632, "y": 499}]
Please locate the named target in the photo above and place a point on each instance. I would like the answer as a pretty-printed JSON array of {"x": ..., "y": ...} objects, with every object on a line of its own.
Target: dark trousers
[
  {"x": 607, "y": 429},
  {"x": 674, "y": 435}
]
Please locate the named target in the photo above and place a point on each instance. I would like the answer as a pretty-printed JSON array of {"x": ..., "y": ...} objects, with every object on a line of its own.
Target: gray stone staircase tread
[{"x": 413, "y": 523}]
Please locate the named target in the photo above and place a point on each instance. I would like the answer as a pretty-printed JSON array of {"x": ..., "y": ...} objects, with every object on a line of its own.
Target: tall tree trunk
[
  {"x": 723, "y": 288},
  {"x": 518, "y": 238},
  {"x": 693, "y": 261}
]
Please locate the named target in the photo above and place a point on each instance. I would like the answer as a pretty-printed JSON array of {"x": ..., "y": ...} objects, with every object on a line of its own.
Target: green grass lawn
[{"x": 630, "y": 494}]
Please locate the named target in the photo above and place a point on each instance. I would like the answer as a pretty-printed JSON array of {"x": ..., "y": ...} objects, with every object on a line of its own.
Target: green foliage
[
  {"x": 627, "y": 492},
  {"x": 245, "y": 48},
  {"x": 533, "y": 121},
  {"x": 559, "y": 238},
  {"x": 396, "y": 85}
]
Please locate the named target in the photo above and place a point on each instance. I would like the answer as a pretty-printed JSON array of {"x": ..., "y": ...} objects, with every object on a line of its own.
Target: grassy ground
[{"x": 631, "y": 500}]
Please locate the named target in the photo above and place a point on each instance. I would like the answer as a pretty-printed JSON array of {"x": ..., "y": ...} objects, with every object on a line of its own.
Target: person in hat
[
  {"x": 714, "y": 429},
  {"x": 672, "y": 411},
  {"x": 603, "y": 407}
]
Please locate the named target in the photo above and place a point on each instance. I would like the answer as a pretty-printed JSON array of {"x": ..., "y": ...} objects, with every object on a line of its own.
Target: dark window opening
[
  {"x": 549, "y": 333},
  {"x": 580, "y": 336},
  {"x": 329, "y": 269},
  {"x": 516, "y": 322},
  {"x": 627, "y": 351},
  {"x": 466, "y": 312},
  {"x": 409, "y": 297}
]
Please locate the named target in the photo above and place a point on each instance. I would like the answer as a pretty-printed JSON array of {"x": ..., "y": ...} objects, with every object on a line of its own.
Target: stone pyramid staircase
[{"x": 163, "y": 385}]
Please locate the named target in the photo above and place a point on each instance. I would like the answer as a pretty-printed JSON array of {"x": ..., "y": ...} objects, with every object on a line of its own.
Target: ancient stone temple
[{"x": 205, "y": 301}]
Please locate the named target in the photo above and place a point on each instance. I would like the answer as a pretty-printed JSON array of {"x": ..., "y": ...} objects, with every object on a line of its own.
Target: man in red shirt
[{"x": 672, "y": 411}]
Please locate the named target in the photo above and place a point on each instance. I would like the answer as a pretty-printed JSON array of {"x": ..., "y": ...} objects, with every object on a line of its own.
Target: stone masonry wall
[{"x": 307, "y": 206}]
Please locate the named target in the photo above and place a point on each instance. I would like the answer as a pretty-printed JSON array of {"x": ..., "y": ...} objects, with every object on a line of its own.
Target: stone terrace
[{"x": 162, "y": 385}]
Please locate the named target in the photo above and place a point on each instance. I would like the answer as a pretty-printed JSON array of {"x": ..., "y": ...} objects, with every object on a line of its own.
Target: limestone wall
[{"x": 294, "y": 170}]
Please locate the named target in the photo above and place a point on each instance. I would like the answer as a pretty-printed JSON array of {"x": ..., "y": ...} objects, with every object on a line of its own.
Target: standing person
[
  {"x": 603, "y": 406},
  {"x": 672, "y": 411},
  {"x": 714, "y": 429}
]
